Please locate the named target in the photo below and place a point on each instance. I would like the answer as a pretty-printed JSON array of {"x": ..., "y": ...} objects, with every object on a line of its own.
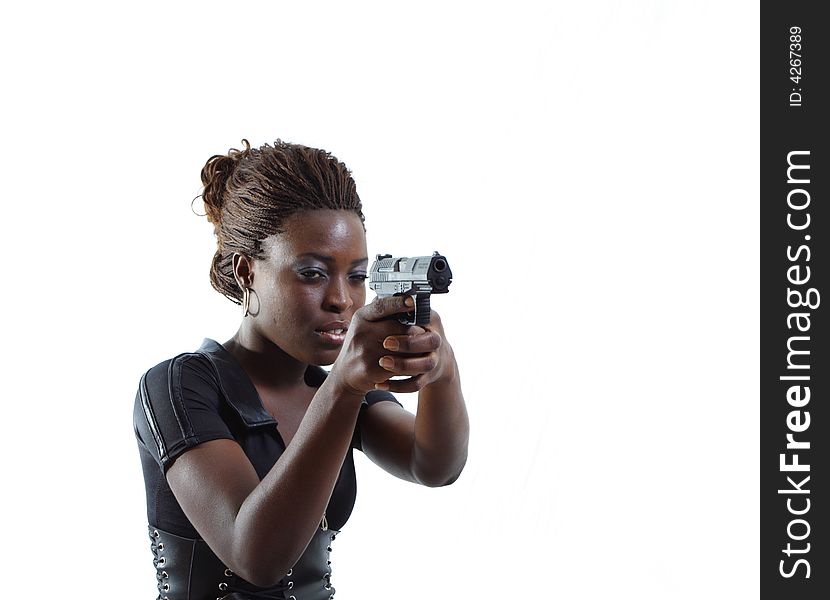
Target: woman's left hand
[{"x": 428, "y": 343}]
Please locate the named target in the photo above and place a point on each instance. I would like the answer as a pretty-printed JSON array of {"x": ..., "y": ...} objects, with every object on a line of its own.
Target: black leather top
[{"x": 206, "y": 395}]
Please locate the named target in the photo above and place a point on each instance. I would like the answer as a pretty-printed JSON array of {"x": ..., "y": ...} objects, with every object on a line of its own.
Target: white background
[{"x": 590, "y": 169}]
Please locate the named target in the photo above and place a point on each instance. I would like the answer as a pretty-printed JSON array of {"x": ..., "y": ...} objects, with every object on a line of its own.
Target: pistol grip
[{"x": 422, "y": 309}]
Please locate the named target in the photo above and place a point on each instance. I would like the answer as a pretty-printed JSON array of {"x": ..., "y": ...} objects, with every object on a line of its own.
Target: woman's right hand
[{"x": 357, "y": 368}]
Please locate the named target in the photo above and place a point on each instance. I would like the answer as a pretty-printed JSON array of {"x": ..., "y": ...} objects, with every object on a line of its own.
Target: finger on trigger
[{"x": 389, "y": 306}]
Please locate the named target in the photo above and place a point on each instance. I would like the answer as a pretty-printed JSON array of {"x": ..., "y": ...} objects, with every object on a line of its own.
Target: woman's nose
[{"x": 338, "y": 298}]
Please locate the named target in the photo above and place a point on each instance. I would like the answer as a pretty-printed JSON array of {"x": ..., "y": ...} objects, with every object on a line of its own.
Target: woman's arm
[
  {"x": 260, "y": 528},
  {"x": 430, "y": 447}
]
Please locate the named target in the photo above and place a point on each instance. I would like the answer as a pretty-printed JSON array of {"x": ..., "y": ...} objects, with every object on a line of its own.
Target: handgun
[{"x": 416, "y": 276}]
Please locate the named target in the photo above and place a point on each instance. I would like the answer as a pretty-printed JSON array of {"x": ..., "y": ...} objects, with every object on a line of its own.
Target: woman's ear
[{"x": 243, "y": 270}]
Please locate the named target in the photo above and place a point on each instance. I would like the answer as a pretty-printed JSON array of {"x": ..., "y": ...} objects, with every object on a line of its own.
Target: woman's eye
[
  {"x": 313, "y": 274},
  {"x": 359, "y": 276}
]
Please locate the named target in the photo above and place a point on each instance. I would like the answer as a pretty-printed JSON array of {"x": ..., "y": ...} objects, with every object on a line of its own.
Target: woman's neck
[{"x": 265, "y": 363}]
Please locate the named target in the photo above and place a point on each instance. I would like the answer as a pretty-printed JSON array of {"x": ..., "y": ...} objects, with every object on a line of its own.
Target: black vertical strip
[{"x": 795, "y": 299}]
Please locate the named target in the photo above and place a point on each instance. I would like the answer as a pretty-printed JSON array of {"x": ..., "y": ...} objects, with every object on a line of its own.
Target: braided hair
[{"x": 248, "y": 194}]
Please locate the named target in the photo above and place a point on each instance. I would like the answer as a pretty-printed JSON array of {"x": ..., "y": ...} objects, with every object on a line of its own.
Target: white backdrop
[{"x": 590, "y": 169}]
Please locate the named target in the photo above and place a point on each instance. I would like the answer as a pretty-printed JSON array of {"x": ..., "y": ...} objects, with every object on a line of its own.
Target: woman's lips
[
  {"x": 333, "y": 338},
  {"x": 334, "y": 333}
]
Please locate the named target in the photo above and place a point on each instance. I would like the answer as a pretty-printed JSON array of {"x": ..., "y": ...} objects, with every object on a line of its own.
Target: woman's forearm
[
  {"x": 442, "y": 432},
  {"x": 278, "y": 518}
]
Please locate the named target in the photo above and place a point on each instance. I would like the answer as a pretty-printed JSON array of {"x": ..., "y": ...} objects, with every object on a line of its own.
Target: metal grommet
[
  {"x": 164, "y": 575},
  {"x": 292, "y": 597},
  {"x": 162, "y": 561},
  {"x": 290, "y": 572},
  {"x": 155, "y": 533},
  {"x": 223, "y": 586},
  {"x": 327, "y": 586},
  {"x": 165, "y": 587},
  {"x": 290, "y": 585},
  {"x": 228, "y": 573},
  {"x": 329, "y": 548},
  {"x": 328, "y": 562},
  {"x": 161, "y": 545}
]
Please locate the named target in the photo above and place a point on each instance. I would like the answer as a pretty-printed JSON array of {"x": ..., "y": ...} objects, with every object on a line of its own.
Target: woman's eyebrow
[{"x": 330, "y": 259}]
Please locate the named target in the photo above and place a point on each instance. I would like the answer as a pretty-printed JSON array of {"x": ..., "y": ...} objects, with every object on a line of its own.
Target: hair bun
[{"x": 215, "y": 175}]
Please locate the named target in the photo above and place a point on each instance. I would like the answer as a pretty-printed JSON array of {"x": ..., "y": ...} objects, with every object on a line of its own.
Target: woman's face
[{"x": 310, "y": 283}]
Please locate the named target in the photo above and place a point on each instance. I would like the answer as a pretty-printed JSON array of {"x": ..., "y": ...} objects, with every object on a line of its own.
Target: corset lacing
[
  {"x": 272, "y": 593},
  {"x": 158, "y": 562},
  {"x": 327, "y": 575}
]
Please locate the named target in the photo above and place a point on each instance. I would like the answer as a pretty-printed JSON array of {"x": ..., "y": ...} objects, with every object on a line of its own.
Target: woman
[{"x": 247, "y": 446}]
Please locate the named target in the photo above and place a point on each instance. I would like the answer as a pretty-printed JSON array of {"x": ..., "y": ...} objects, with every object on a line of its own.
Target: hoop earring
[{"x": 246, "y": 301}]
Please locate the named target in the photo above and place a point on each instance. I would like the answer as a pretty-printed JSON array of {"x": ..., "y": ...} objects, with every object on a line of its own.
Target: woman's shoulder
[
  {"x": 180, "y": 402},
  {"x": 209, "y": 367},
  {"x": 208, "y": 379},
  {"x": 173, "y": 379},
  {"x": 194, "y": 360}
]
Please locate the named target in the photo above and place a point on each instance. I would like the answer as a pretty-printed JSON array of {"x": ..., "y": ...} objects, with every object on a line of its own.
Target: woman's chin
[{"x": 324, "y": 358}]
